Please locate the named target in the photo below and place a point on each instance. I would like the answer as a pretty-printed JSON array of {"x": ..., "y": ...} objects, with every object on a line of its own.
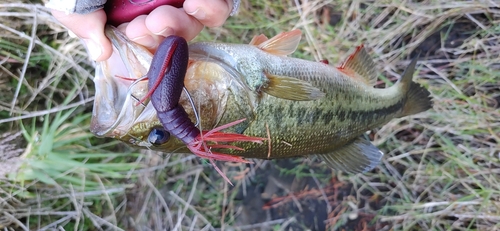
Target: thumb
[{"x": 90, "y": 28}]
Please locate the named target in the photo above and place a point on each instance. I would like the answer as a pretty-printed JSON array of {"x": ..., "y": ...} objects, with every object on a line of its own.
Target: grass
[{"x": 440, "y": 171}]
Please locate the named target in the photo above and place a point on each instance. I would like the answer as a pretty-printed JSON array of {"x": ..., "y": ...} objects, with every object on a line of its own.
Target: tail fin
[{"x": 417, "y": 98}]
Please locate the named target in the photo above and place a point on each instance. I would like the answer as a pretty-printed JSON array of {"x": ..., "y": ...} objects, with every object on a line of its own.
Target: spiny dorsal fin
[
  {"x": 283, "y": 43},
  {"x": 360, "y": 65},
  {"x": 291, "y": 88},
  {"x": 258, "y": 39},
  {"x": 358, "y": 156}
]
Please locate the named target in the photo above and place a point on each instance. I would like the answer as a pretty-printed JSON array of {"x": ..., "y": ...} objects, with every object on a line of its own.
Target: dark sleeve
[{"x": 76, "y": 6}]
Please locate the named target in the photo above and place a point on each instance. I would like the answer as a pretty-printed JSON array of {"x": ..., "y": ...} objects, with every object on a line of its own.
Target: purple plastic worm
[
  {"x": 122, "y": 11},
  {"x": 166, "y": 80}
]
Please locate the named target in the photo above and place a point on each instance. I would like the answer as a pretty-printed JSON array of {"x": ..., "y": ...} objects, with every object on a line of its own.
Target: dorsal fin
[
  {"x": 283, "y": 43},
  {"x": 258, "y": 39},
  {"x": 359, "y": 65}
]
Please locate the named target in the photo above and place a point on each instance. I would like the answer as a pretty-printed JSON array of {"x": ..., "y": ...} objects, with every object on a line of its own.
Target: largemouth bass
[{"x": 298, "y": 107}]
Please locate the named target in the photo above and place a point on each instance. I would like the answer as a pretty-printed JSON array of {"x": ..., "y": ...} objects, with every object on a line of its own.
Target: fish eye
[{"x": 158, "y": 136}]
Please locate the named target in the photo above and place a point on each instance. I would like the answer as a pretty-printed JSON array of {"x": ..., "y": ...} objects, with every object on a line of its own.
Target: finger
[
  {"x": 137, "y": 31},
  {"x": 91, "y": 31},
  {"x": 168, "y": 20},
  {"x": 211, "y": 13}
]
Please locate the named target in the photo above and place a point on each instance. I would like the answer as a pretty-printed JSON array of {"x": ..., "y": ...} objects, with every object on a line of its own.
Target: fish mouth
[{"x": 119, "y": 84}]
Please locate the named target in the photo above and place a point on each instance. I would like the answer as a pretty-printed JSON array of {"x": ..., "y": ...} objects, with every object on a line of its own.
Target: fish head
[{"x": 120, "y": 84}]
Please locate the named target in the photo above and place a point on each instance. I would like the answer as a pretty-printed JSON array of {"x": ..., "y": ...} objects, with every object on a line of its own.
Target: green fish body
[{"x": 303, "y": 107}]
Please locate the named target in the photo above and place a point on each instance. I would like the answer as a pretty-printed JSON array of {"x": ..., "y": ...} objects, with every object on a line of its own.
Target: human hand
[{"x": 147, "y": 30}]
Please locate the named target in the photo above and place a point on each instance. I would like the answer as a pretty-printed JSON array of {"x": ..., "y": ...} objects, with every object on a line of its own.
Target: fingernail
[
  {"x": 93, "y": 48},
  {"x": 145, "y": 40},
  {"x": 198, "y": 13}
]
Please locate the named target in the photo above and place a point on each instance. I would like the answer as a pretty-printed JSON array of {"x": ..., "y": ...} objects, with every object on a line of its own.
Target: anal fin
[
  {"x": 358, "y": 156},
  {"x": 291, "y": 88}
]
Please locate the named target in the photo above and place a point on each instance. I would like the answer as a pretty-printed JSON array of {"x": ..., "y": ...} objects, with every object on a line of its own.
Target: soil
[{"x": 273, "y": 196}]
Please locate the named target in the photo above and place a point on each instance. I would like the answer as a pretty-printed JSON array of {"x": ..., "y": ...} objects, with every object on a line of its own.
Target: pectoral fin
[
  {"x": 359, "y": 65},
  {"x": 359, "y": 156},
  {"x": 291, "y": 88}
]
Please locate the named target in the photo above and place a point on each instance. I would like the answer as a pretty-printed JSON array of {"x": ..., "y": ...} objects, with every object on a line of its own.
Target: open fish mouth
[{"x": 119, "y": 84}]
